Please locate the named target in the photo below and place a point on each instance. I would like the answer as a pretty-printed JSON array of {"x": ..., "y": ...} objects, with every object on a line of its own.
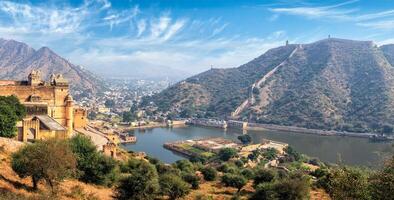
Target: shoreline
[{"x": 294, "y": 129}]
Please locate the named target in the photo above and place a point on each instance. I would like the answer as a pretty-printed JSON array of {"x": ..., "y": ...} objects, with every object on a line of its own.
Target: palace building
[{"x": 50, "y": 107}]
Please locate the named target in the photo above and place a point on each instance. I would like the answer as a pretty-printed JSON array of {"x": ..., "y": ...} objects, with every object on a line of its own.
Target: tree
[
  {"x": 128, "y": 116},
  {"x": 232, "y": 180},
  {"x": 184, "y": 165},
  {"x": 209, "y": 173},
  {"x": 51, "y": 160},
  {"x": 348, "y": 183},
  {"x": 226, "y": 154},
  {"x": 264, "y": 176},
  {"x": 15, "y": 104},
  {"x": 247, "y": 173},
  {"x": 291, "y": 188},
  {"x": 192, "y": 179},
  {"x": 142, "y": 183},
  {"x": 245, "y": 139},
  {"x": 8, "y": 121},
  {"x": 293, "y": 153},
  {"x": 93, "y": 167},
  {"x": 382, "y": 182},
  {"x": 173, "y": 186},
  {"x": 11, "y": 111},
  {"x": 270, "y": 153}
]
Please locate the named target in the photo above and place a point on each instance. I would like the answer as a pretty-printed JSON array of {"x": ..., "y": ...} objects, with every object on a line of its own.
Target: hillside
[
  {"x": 329, "y": 84},
  {"x": 13, "y": 187},
  {"x": 18, "y": 59}
]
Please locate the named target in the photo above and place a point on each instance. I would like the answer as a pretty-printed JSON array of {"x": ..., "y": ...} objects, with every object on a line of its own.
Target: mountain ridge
[
  {"x": 17, "y": 59},
  {"x": 334, "y": 84}
]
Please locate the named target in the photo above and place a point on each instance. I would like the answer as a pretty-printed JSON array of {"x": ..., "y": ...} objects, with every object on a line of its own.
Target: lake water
[{"x": 353, "y": 151}]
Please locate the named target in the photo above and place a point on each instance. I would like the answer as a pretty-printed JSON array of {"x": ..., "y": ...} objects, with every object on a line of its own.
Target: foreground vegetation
[{"x": 148, "y": 178}]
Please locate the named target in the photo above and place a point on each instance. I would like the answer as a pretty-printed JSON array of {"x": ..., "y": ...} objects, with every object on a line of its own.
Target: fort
[{"x": 49, "y": 105}]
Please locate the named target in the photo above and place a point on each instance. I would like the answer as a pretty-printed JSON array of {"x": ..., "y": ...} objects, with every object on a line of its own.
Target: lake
[{"x": 351, "y": 150}]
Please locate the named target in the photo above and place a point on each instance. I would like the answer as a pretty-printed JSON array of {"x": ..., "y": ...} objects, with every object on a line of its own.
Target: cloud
[
  {"x": 387, "y": 24},
  {"x": 141, "y": 27},
  {"x": 41, "y": 19},
  {"x": 103, "y": 38},
  {"x": 332, "y": 11}
]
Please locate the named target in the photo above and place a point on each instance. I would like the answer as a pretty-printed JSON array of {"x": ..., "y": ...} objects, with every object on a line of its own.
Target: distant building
[{"x": 49, "y": 106}]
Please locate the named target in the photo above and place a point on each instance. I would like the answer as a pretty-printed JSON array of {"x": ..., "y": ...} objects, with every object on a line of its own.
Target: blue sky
[{"x": 190, "y": 35}]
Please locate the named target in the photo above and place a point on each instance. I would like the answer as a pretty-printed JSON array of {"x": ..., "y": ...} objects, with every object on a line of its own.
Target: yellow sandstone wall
[{"x": 80, "y": 118}]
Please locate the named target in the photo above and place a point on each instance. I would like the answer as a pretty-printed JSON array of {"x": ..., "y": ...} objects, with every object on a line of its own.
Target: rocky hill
[
  {"x": 18, "y": 59},
  {"x": 329, "y": 84}
]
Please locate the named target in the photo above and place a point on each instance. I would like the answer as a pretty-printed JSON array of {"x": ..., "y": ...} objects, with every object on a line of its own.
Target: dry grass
[{"x": 10, "y": 183}]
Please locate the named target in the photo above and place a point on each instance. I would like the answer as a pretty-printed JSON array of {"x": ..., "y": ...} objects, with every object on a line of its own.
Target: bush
[
  {"x": 264, "y": 176},
  {"x": 142, "y": 183},
  {"x": 348, "y": 183},
  {"x": 247, "y": 173},
  {"x": 51, "y": 160},
  {"x": 192, "y": 179},
  {"x": 236, "y": 181},
  {"x": 245, "y": 139},
  {"x": 184, "y": 165},
  {"x": 209, "y": 173},
  {"x": 228, "y": 168},
  {"x": 293, "y": 188},
  {"x": 382, "y": 182},
  {"x": 93, "y": 166},
  {"x": 173, "y": 186},
  {"x": 227, "y": 153}
]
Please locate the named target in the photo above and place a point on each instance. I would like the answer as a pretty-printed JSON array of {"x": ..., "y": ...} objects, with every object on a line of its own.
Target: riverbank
[
  {"x": 246, "y": 126},
  {"x": 294, "y": 129},
  {"x": 149, "y": 126}
]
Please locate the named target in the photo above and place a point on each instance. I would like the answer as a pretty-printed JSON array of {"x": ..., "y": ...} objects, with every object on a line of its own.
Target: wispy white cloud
[
  {"x": 141, "y": 27},
  {"x": 386, "y": 24},
  {"x": 139, "y": 39},
  {"x": 331, "y": 11}
]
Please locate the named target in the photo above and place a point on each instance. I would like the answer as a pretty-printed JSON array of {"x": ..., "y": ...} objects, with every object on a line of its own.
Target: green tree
[
  {"x": 184, "y": 165},
  {"x": 348, "y": 183},
  {"x": 270, "y": 153},
  {"x": 93, "y": 167},
  {"x": 209, "y": 173},
  {"x": 382, "y": 182},
  {"x": 15, "y": 104},
  {"x": 8, "y": 121},
  {"x": 290, "y": 188},
  {"x": 247, "y": 173},
  {"x": 173, "y": 186},
  {"x": 293, "y": 153},
  {"x": 11, "y": 111},
  {"x": 128, "y": 117},
  {"x": 263, "y": 176},
  {"x": 245, "y": 139},
  {"x": 51, "y": 160},
  {"x": 293, "y": 188},
  {"x": 226, "y": 154},
  {"x": 142, "y": 183},
  {"x": 192, "y": 179},
  {"x": 233, "y": 180}
]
